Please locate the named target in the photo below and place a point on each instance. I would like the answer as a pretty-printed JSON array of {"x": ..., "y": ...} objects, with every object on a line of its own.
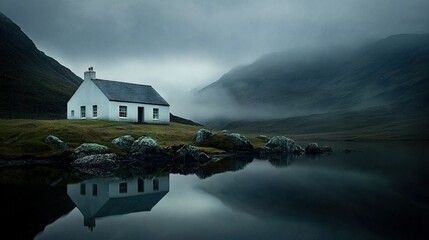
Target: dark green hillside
[{"x": 32, "y": 85}]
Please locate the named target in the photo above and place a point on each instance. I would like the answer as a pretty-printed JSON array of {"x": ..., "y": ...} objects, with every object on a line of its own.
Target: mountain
[
  {"x": 390, "y": 75},
  {"x": 32, "y": 85}
]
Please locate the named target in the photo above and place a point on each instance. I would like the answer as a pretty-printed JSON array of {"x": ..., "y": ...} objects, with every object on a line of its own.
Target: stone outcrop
[
  {"x": 124, "y": 142},
  {"x": 105, "y": 161},
  {"x": 203, "y": 134},
  {"x": 144, "y": 146},
  {"x": 240, "y": 142},
  {"x": 313, "y": 148},
  {"x": 100, "y": 165},
  {"x": 282, "y": 144},
  {"x": 86, "y": 149},
  {"x": 55, "y": 142},
  {"x": 191, "y": 153}
]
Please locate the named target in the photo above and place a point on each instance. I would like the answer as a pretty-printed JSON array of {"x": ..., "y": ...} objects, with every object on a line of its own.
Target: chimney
[{"x": 90, "y": 74}]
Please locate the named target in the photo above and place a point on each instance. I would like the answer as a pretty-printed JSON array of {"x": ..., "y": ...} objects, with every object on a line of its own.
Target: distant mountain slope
[
  {"x": 390, "y": 71},
  {"x": 32, "y": 85},
  {"x": 177, "y": 119}
]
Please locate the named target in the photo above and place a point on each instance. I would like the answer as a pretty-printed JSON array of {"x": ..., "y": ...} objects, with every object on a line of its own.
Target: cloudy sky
[{"x": 178, "y": 46}]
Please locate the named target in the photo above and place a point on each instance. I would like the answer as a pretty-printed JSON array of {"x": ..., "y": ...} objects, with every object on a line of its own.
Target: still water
[{"x": 378, "y": 191}]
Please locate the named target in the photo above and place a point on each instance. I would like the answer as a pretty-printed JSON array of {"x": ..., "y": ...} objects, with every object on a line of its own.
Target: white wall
[
  {"x": 132, "y": 112},
  {"x": 88, "y": 94},
  {"x": 164, "y": 185}
]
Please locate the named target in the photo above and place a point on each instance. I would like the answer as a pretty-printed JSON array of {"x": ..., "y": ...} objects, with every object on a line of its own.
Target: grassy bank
[{"x": 24, "y": 138}]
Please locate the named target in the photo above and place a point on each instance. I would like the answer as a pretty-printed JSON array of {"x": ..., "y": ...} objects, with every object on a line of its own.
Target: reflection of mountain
[
  {"x": 97, "y": 198},
  {"x": 224, "y": 165},
  {"x": 30, "y": 208}
]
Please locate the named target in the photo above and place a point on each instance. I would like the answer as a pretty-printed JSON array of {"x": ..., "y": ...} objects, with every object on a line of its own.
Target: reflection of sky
[{"x": 371, "y": 194}]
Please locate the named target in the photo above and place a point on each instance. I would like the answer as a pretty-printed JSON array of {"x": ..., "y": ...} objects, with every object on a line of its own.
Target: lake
[{"x": 380, "y": 190}]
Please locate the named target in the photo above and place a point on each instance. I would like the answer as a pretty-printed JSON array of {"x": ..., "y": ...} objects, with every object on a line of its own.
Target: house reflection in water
[{"x": 98, "y": 198}]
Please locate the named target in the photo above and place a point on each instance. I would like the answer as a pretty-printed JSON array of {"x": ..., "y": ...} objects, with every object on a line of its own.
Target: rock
[
  {"x": 282, "y": 144},
  {"x": 124, "y": 142},
  {"x": 145, "y": 145},
  {"x": 99, "y": 165},
  {"x": 103, "y": 161},
  {"x": 191, "y": 153},
  {"x": 55, "y": 142},
  {"x": 313, "y": 148},
  {"x": 300, "y": 149},
  {"x": 203, "y": 134},
  {"x": 263, "y": 138},
  {"x": 89, "y": 149},
  {"x": 224, "y": 131},
  {"x": 240, "y": 142},
  {"x": 327, "y": 149}
]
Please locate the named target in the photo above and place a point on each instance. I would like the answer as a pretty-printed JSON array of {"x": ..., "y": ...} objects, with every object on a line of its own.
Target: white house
[
  {"x": 98, "y": 198},
  {"x": 117, "y": 101}
]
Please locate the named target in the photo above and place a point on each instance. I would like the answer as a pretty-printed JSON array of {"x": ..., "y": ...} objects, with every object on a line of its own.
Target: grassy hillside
[{"x": 32, "y": 85}]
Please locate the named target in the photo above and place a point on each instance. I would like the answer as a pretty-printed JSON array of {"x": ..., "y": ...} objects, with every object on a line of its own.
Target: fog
[{"x": 180, "y": 46}]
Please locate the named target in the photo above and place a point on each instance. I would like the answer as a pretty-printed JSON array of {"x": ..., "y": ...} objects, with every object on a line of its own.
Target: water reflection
[{"x": 97, "y": 198}]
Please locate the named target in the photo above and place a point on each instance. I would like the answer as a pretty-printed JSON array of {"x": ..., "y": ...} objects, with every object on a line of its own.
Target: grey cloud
[{"x": 224, "y": 30}]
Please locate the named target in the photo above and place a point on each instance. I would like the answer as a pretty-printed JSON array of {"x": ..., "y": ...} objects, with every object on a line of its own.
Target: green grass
[{"x": 24, "y": 138}]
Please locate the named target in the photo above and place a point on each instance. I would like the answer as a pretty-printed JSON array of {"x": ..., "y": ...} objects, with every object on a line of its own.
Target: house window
[
  {"x": 156, "y": 184},
  {"x": 123, "y": 187},
  {"x": 156, "y": 113},
  {"x": 122, "y": 111},
  {"x": 94, "y": 111},
  {"x": 72, "y": 113},
  {"x": 94, "y": 189},
  {"x": 82, "y": 189},
  {"x": 82, "y": 111},
  {"x": 140, "y": 185}
]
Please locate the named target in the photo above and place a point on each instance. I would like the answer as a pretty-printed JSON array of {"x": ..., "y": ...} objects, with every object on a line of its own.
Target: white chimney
[{"x": 90, "y": 74}]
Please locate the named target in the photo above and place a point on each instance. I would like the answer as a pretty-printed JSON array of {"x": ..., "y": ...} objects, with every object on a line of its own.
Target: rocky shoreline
[{"x": 145, "y": 153}]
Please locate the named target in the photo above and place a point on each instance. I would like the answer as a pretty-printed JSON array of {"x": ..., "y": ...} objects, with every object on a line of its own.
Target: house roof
[
  {"x": 129, "y": 204},
  {"x": 129, "y": 92}
]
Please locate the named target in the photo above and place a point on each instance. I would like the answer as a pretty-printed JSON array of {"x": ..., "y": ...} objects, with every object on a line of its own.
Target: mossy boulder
[
  {"x": 203, "y": 134},
  {"x": 124, "y": 142},
  {"x": 145, "y": 145},
  {"x": 240, "y": 142},
  {"x": 104, "y": 161},
  {"x": 55, "y": 142},
  {"x": 86, "y": 149},
  {"x": 282, "y": 144}
]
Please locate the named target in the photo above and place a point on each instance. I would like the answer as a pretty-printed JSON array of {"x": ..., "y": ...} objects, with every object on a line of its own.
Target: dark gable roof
[{"x": 129, "y": 92}]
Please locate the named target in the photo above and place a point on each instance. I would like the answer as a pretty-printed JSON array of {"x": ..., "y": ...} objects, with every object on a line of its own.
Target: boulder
[
  {"x": 240, "y": 142},
  {"x": 99, "y": 165},
  {"x": 191, "y": 153},
  {"x": 89, "y": 149},
  {"x": 203, "y": 134},
  {"x": 313, "y": 148},
  {"x": 145, "y": 145},
  {"x": 124, "y": 142},
  {"x": 55, "y": 142},
  {"x": 103, "y": 161},
  {"x": 282, "y": 144}
]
